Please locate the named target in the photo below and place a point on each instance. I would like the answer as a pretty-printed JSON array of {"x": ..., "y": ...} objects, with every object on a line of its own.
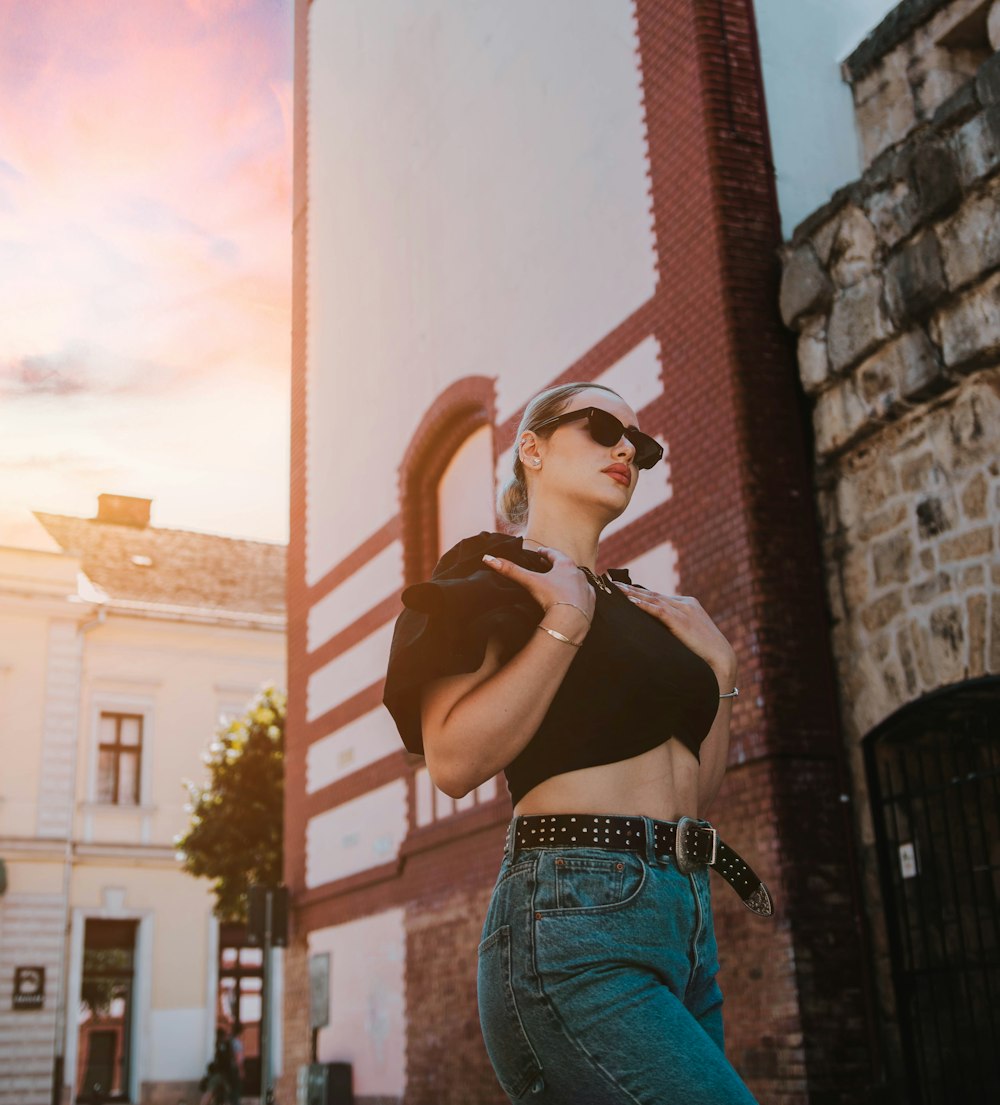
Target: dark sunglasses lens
[
  {"x": 647, "y": 449},
  {"x": 605, "y": 429}
]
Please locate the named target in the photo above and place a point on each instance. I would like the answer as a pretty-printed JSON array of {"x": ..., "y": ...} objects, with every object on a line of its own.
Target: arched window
[
  {"x": 447, "y": 487},
  {"x": 466, "y": 492},
  {"x": 446, "y": 477}
]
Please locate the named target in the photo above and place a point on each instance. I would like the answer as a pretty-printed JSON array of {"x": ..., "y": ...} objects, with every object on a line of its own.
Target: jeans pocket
[
  {"x": 574, "y": 882},
  {"x": 511, "y": 1054}
]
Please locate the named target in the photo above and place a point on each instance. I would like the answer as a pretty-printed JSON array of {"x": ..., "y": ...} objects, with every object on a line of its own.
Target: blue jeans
[{"x": 597, "y": 980}]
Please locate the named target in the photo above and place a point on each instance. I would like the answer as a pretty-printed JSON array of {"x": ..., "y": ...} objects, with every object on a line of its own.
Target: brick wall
[{"x": 742, "y": 516}]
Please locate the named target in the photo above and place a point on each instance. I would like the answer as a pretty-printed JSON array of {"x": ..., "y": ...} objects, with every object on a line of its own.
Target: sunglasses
[{"x": 607, "y": 430}]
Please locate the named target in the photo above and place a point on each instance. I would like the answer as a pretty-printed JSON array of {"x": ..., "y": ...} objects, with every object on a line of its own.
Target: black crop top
[{"x": 631, "y": 686}]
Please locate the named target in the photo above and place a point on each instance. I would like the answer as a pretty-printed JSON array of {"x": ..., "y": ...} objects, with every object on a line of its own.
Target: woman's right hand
[{"x": 563, "y": 582}]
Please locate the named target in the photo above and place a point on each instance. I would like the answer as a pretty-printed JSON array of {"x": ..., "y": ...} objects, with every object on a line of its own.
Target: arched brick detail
[{"x": 456, "y": 413}]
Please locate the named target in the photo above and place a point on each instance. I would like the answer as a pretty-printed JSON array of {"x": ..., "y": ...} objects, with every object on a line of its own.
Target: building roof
[{"x": 173, "y": 567}]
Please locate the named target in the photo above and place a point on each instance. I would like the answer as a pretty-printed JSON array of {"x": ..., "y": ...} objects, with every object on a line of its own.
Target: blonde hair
[{"x": 512, "y": 498}]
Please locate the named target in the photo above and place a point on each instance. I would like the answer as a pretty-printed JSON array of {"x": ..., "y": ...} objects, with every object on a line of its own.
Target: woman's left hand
[{"x": 686, "y": 618}]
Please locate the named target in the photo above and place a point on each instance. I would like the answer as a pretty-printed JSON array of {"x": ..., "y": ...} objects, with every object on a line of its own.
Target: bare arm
[
  {"x": 714, "y": 750},
  {"x": 475, "y": 724}
]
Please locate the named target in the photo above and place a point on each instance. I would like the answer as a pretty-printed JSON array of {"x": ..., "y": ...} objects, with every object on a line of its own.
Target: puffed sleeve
[{"x": 448, "y": 619}]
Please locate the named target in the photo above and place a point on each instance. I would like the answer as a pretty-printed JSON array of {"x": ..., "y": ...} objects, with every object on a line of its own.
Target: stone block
[
  {"x": 838, "y": 417},
  {"x": 920, "y": 370},
  {"x": 814, "y": 364},
  {"x": 977, "y": 146},
  {"x": 967, "y": 331},
  {"x": 876, "y": 484},
  {"x": 947, "y": 643},
  {"x": 858, "y": 323},
  {"x": 915, "y": 279},
  {"x": 899, "y": 372},
  {"x": 988, "y": 81},
  {"x": 891, "y": 559},
  {"x": 975, "y": 621},
  {"x": 805, "y": 287},
  {"x": 888, "y": 114},
  {"x": 922, "y": 654},
  {"x": 934, "y": 516},
  {"x": 823, "y": 238},
  {"x": 927, "y": 589},
  {"x": 937, "y": 179},
  {"x": 974, "y": 542},
  {"x": 906, "y": 659},
  {"x": 855, "y": 248},
  {"x": 877, "y": 383},
  {"x": 882, "y": 611},
  {"x": 882, "y": 521},
  {"x": 959, "y": 107},
  {"x": 995, "y": 631},
  {"x": 974, "y": 497},
  {"x": 970, "y": 240},
  {"x": 974, "y": 575},
  {"x": 993, "y": 25},
  {"x": 894, "y": 211}
]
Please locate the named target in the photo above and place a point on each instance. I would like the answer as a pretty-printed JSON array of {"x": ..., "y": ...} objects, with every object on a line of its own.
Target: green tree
[{"x": 235, "y": 834}]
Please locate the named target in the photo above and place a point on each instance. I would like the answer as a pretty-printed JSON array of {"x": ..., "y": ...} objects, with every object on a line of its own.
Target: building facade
[
  {"x": 489, "y": 201},
  {"x": 122, "y": 646},
  {"x": 893, "y": 288}
]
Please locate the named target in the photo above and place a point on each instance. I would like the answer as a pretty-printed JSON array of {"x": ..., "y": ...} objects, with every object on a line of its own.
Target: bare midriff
[{"x": 660, "y": 783}]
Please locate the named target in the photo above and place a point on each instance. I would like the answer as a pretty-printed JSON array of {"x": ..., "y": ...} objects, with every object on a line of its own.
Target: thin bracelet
[
  {"x": 730, "y": 694},
  {"x": 558, "y": 636},
  {"x": 573, "y": 604}
]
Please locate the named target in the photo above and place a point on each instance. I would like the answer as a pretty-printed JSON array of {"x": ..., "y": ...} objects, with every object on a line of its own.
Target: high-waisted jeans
[{"x": 597, "y": 980}]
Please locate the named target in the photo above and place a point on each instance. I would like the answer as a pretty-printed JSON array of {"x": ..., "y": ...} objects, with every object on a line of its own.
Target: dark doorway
[
  {"x": 934, "y": 777},
  {"x": 104, "y": 1048},
  {"x": 240, "y": 998}
]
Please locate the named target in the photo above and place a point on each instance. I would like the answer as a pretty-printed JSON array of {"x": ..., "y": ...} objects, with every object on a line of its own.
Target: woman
[{"x": 607, "y": 706}]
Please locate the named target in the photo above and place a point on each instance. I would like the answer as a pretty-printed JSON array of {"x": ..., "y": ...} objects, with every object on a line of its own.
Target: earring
[{"x": 535, "y": 461}]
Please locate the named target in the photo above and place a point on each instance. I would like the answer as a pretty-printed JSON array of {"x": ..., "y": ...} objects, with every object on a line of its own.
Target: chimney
[{"x": 123, "y": 510}]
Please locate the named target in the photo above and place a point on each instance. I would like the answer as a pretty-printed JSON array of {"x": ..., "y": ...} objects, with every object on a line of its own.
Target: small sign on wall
[
  {"x": 319, "y": 990},
  {"x": 29, "y": 988}
]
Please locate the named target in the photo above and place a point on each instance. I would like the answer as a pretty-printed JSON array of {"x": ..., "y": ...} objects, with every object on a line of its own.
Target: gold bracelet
[
  {"x": 573, "y": 604},
  {"x": 558, "y": 636}
]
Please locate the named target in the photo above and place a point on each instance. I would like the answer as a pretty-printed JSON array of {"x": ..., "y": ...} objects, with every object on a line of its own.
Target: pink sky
[{"x": 145, "y": 258}]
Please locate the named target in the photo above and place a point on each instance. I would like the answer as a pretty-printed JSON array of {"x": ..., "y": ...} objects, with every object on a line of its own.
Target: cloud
[
  {"x": 83, "y": 373},
  {"x": 145, "y": 258}
]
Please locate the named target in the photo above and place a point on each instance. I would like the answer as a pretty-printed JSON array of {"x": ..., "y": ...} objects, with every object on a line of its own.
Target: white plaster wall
[
  {"x": 478, "y": 205},
  {"x": 348, "y": 672},
  {"x": 656, "y": 569},
  {"x": 636, "y": 377},
  {"x": 809, "y": 107},
  {"x": 177, "y": 1044},
  {"x": 350, "y": 600},
  {"x": 360, "y": 742},
  {"x": 367, "y": 1026},
  {"x": 364, "y": 832}
]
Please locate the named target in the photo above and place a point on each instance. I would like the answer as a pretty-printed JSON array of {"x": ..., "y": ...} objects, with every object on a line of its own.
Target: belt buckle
[{"x": 686, "y": 863}]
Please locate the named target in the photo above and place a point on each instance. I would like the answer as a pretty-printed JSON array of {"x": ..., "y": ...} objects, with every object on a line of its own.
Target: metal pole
[{"x": 265, "y": 1020}]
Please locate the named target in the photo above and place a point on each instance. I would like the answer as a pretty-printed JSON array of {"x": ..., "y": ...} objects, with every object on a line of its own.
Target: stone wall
[{"x": 894, "y": 291}]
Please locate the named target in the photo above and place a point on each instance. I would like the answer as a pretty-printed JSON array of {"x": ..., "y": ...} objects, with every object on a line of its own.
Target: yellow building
[{"x": 122, "y": 645}]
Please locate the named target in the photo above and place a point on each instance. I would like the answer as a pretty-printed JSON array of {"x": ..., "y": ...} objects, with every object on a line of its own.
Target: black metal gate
[{"x": 934, "y": 777}]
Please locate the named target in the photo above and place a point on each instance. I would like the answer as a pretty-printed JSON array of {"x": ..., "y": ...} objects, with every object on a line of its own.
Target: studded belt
[{"x": 692, "y": 843}]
